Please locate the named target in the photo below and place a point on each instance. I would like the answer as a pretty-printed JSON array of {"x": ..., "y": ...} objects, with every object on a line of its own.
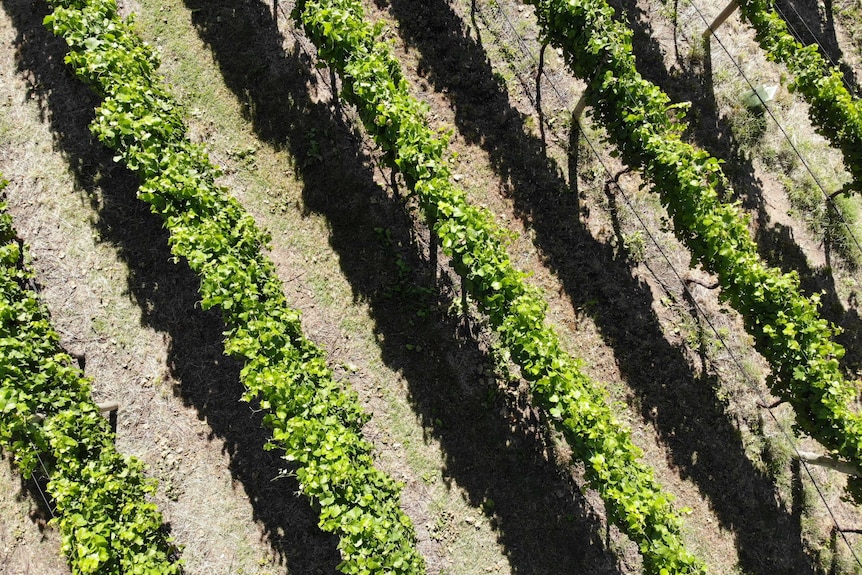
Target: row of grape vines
[
  {"x": 374, "y": 84},
  {"x": 646, "y": 129},
  {"x": 315, "y": 422},
  {"x": 834, "y": 112},
  {"x": 49, "y": 423}
]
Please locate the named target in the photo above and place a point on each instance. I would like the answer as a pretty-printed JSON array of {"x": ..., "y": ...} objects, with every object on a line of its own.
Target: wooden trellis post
[
  {"x": 719, "y": 20},
  {"x": 829, "y": 462},
  {"x": 111, "y": 407},
  {"x": 579, "y": 107}
]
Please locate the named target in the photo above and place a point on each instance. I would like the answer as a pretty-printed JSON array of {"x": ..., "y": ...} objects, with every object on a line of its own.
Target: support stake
[
  {"x": 580, "y": 106},
  {"x": 719, "y": 20},
  {"x": 829, "y": 462},
  {"x": 108, "y": 406},
  {"x": 464, "y": 308},
  {"x": 111, "y": 407}
]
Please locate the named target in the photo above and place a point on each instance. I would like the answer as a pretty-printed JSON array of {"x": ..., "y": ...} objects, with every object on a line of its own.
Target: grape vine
[
  {"x": 374, "y": 84},
  {"x": 646, "y": 129},
  {"x": 315, "y": 422},
  {"x": 834, "y": 112},
  {"x": 100, "y": 496}
]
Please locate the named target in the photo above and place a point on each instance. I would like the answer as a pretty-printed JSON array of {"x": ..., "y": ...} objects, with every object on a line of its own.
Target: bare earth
[{"x": 488, "y": 488}]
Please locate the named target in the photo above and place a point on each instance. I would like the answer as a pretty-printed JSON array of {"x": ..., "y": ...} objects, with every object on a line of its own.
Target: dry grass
[{"x": 486, "y": 489}]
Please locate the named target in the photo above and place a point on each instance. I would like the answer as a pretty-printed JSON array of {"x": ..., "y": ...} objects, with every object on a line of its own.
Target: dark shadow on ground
[
  {"x": 35, "y": 489},
  {"x": 688, "y": 416},
  {"x": 168, "y": 297},
  {"x": 40, "y": 513},
  {"x": 811, "y": 23},
  {"x": 691, "y": 80},
  {"x": 543, "y": 524}
]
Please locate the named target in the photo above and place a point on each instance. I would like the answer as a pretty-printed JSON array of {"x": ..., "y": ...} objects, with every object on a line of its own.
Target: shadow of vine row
[
  {"x": 691, "y": 80},
  {"x": 492, "y": 457},
  {"x": 682, "y": 405},
  {"x": 168, "y": 295}
]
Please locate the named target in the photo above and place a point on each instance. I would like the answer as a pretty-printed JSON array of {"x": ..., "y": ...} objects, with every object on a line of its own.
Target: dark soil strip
[
  {"x": 167, "y": 295},
  {"x": 542, "y": 533},
  {"x": 691, "y": 81},
  {"x": 811, "y": 24},
  {"x": 690, "y": 418}
]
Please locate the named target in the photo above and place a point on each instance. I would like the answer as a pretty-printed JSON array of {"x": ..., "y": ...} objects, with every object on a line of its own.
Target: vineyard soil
[{"x": 489, "y": 490}]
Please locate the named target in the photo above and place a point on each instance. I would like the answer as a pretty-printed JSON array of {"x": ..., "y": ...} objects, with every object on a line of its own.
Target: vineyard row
[
  {"x": 47, "y": 418},
  {"x": 834, "y": 112},
  {"x": 374, "y": 83},
  {"x": 647, "y": 129},
  {"x": 315, "y": 422}
]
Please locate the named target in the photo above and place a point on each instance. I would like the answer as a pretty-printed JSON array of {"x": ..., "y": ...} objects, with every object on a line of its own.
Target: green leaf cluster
[
  {"x": 787, "y": 328},
  {"x": 46, "y": 414},
  {"x": 834, "y": 112},
  {"x": 315, "y": 422},
  {"x": 374, "y": 84}
]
